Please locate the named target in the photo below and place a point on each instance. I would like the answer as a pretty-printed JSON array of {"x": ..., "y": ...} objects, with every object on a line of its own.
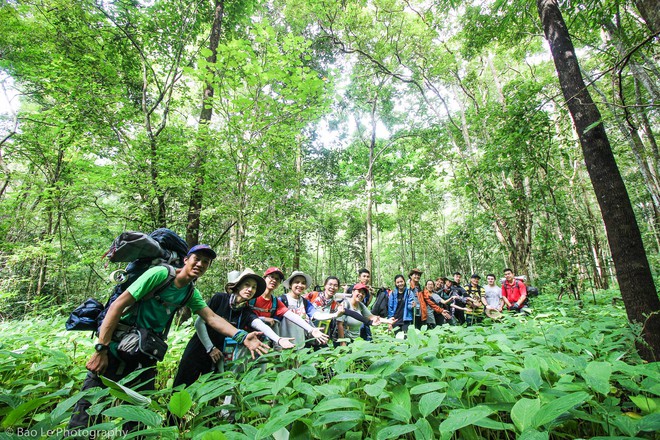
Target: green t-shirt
[{"x": 153, "y": 314}]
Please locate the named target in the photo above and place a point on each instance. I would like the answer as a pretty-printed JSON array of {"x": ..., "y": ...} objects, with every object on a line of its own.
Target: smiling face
[
  {"x": 197, "y": 264},
  {"x": 509, "y": 276},
  {"x": 273, "y": 281},
  {"x": 400, "y": 283},
  {"x": 358, "y": 294},
  {"x": 331, "y": 287},
  {"x": 415, "y": 277},
  {"x": 246, "y": 290},
  {"x": 298, "y": 285},
  {"x": 491, "y": 280},
  {"x": 430, "y": 285},
  {"x": 457, "y": 278},
  {"x": 364, "y": 278}
]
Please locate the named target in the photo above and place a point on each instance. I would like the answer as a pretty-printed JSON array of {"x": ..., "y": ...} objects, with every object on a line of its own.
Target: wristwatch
[{"x": 101, "y": 347}]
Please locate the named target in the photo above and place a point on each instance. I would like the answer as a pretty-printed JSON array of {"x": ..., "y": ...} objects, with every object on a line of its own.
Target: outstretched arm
[
  {"x": 317, "y": 333},
  {"x": 222, "y": 326},
  {"x": 203, "y": 335},
  {"x": 258, "y": 324}
]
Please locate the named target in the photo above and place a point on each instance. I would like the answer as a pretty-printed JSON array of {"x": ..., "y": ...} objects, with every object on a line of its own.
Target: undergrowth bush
[{"x": 568, "y": 370}]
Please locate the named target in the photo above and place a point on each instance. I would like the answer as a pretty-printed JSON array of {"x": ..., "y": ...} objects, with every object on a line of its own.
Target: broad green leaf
[
  {"x": 523, "y": 413},
  {"x": 276, "y": 423},
  {"x": 646, "y": 404},
  {"x": 531, "y": 434},
  {"x": 166, "y": 433},
  {"x": 412, "y": 336},
  {"x": 281, "y": 434},
  {"x": 460, "y": 418},
  {"x": 356, "y": 376},
  {"x": 299, "y": 431},
  {"x": 180, "y": 403},
  {"x": 424, "y": 430},
  {"x": 124, "y": 393},
  {"x": 338, "y": 403},
  {"x": 401, "y": 398},
  {"x": 650, "y": 422},
  {"x": 338, "y": 416},
  {"x": 283, "y": 379},
  {"x": 494, "y": 424},
  {"x": 396, "y": 431},
  {"x": 62, "y": 407},
  {"x": 427, "y": 387},
  {"x": 386, "y": 366},
  {"x": 557, "y": 407},
  {"x": 429, "y": 402},
  {"x": 597, "y": 375},
  {"x": 22, "y": 410},
  {"x": 375, "y": 389},
  {"x": 532, "y": 377},
  {"x": 134, "y": 414},
  {"x": 213, "y": 435}
]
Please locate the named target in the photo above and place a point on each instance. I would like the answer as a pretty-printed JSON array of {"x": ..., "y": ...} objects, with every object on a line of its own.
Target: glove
[{"x": 515, "y": 306}]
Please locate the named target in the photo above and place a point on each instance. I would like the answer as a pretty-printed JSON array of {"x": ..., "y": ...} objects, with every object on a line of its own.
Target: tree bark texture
[
  {"x": 633, "y": 272},
  {"x": 650, "y": 12},
  {"x": 197, "y": 194}
]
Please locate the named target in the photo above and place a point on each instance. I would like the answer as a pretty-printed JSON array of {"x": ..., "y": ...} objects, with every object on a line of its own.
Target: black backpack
[
  {"x": 380, "y": 306},
  {"x": 162, "y": 247}
]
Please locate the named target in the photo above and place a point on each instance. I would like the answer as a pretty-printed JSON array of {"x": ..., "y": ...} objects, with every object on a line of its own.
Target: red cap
[
  {"x": 360, "y": 286},
  {"x": 272, "y": 270}
]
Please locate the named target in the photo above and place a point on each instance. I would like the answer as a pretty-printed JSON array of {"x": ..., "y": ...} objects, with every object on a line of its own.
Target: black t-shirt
[
  {"x": 398, "y": 312},
  {"x": 239, "y": 318}
]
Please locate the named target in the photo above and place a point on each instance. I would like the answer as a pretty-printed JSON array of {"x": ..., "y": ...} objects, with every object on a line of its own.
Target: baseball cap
[
  {"x": 202, "y": 248},
  {"x": 272, "y": 270}
]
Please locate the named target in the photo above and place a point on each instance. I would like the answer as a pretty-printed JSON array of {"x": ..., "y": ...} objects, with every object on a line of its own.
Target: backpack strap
[
  {"x": 273, "y": 306},
  {"x": 158, "y": 290}
]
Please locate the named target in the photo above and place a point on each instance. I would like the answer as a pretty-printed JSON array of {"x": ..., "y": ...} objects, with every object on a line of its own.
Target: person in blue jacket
[{"x": 400, "y": 305}]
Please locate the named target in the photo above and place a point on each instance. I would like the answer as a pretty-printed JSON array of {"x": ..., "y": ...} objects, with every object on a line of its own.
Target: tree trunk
[
  {"x": 160, "y": 220},
  {"x": 368, "y": 257},
  {"x": 297, "y": 244},
  {"x": 197, "y": 195},
  {"x": 633, "y": 272},
  {"x": 650, "y": 12}
]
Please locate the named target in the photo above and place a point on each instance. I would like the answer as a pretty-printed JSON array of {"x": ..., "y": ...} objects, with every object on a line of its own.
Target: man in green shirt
[{"x": 153, "y": 314}]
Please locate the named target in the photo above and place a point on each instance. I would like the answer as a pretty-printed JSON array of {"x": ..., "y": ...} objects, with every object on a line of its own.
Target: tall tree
[{"x": 633, "y": 270}]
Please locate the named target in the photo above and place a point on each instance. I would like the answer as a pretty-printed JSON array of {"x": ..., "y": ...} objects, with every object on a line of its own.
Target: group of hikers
[{"x": 239, "y": 323}]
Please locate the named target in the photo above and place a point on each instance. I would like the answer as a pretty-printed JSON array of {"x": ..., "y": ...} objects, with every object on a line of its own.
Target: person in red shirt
[
  {"x": 514, "y": 291},
  {"x": 268, "y": 307}
]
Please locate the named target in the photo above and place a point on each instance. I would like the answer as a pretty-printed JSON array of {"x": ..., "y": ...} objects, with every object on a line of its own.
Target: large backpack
[
  {"x": 162, "y": 247},
  {"x": 380, "y": 306}
]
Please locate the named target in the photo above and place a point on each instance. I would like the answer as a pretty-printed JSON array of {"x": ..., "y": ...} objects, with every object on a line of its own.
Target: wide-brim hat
[
  {"x": 246, "y": 274},
  {"x": 415, "y": 270},
  {"x": 297, "y": 273}
]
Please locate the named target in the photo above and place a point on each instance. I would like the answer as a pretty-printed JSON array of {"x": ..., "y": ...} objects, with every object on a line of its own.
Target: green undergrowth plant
[{"x": 562, "y": 371}]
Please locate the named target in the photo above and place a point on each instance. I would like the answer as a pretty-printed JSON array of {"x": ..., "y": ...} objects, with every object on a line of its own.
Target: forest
[{"x": 328, "y": 136}]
